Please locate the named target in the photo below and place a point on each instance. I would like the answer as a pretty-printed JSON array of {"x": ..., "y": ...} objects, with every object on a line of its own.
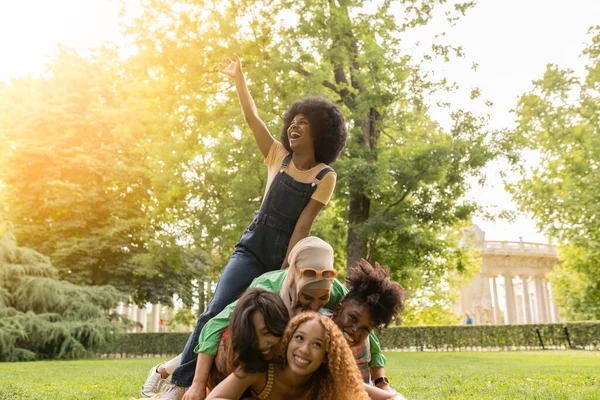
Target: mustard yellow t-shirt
[{"x": 325, "y": 187}]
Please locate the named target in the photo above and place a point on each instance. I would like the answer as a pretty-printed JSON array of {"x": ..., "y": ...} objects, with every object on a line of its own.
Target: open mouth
[
  {"x": 300, "y": 361},
  {"x": 266, "y": 352},
  {"x": 294, "y": 135},
  {"x": 351, "y": 341}
]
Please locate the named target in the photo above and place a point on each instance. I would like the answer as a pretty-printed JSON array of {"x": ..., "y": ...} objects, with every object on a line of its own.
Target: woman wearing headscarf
[{"x": 308, "y": 284}]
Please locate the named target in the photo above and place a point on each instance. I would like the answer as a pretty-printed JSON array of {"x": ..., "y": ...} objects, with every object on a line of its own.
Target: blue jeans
[{"x": 242, "y": 268}]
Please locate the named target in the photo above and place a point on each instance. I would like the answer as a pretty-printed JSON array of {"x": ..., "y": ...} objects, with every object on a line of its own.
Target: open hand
[
  {"x": 231, "y": 67},
  {"x": 195, "y": 392}
]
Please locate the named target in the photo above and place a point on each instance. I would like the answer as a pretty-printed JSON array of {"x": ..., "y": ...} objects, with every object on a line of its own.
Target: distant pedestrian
[{"x": 469, "y": 319}]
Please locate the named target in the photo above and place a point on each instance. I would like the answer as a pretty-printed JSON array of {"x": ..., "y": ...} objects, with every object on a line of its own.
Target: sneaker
[
  {"x": 153, "y": 382},
  {"x": 172, "y": 392}
]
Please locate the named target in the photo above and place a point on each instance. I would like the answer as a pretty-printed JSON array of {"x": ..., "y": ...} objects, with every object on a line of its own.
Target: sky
[{"x": 510, "y": 40}]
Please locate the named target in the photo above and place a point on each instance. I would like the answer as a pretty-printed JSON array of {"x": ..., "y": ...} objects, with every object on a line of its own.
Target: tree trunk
[
  {"x": 360, "y": 203},
  {"x": 358, "y": 213}
]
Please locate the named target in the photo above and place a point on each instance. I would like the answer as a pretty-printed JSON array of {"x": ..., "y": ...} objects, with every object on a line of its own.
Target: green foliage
[
  {"x": 142, "y": 173},
  {"x": 559, "y": 119},
  {"x": 575, "y": 282},
  {"x": 84, "y": 180},
  {"x": 433, "y": 304},
  {"x": 42, "y": 317},
  {"x": 402, "y": 178},
  {"x": 582, "y": 335},
  {"x": 143, "y": 344}
]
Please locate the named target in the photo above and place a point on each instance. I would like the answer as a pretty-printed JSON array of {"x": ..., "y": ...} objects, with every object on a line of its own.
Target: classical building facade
[{"x": 512, "y": 286}]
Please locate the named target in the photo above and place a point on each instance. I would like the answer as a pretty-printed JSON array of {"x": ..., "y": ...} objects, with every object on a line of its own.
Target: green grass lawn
[{"x": 472, "y": 375}]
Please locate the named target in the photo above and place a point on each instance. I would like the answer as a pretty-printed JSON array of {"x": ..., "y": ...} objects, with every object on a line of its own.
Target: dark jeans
[{"x": 241, "y": 269}]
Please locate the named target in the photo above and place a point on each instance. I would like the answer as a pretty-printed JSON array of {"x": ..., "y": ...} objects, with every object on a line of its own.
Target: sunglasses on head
[{"x": 328, "y": 274}]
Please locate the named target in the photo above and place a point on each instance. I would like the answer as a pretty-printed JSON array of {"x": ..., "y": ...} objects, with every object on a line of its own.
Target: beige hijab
[{"x": 310, "y": 252}]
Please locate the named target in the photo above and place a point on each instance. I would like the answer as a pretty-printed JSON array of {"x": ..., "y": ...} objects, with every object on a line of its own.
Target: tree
[
  {"x": 42, "y": 317},
  {"x": 402, "y": 178},
  {"x": 83, "y": 178},
  {"x": 560, "y": 120}
]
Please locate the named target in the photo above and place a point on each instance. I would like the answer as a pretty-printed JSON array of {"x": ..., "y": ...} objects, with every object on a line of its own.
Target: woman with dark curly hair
[
  {"x": 314, "y": 362},
  {"x": 299, "y": 185},
  {"x": 374, "y": 301}
]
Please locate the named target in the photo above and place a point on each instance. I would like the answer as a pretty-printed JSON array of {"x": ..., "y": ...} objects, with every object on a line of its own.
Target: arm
[
  {"x": 210, "y": 336},
  {"x": 378, "y": 394},
  {"x": 303, "y": 226},
  {"x": 262, "y": 136},
  {"x": 378, "y": 372},
  {"x": 378, "y": 360},
  {"x": 234, "y": 386},
  {"x": 198, "y": 389}
]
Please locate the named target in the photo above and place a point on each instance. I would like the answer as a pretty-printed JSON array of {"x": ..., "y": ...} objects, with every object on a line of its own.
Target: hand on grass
[{"x": 195, "y": 392}]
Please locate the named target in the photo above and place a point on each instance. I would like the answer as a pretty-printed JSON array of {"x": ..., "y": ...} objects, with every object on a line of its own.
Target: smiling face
[
  {"x": 311, "y": 299},
  {"x": 266, "y": 340},
  {"x": 306, "y": 350},
  {"x": 300, "y": 134},
  {"x": 354, "y": 320}
]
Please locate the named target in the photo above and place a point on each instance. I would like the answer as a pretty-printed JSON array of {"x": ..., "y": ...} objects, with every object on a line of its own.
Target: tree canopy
[
  {"x": 559, "y": 121},
  {"x": 402, "y": 177},
  {"x": 82, "y": 176},
  {"x": 141, "y": 172}
]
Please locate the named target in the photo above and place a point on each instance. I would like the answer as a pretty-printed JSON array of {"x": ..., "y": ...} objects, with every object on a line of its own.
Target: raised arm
[{"x": 262, "y": 136}]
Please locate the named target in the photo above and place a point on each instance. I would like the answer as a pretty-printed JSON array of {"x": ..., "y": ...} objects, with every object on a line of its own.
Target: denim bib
[{"x": 269, "y": 233}]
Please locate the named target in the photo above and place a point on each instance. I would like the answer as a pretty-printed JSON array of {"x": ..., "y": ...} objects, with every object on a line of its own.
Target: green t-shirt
[{"x": 210, "y": 336}]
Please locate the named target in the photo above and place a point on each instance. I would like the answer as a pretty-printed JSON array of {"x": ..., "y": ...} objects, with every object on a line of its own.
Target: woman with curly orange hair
[{"x": 314, "y": 362}]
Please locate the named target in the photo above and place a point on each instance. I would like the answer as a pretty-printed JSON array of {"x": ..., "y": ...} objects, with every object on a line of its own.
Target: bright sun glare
[{"x": 31, "y": 30}]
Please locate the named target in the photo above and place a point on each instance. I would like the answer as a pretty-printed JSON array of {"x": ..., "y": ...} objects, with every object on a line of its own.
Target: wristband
[{"x": 381, "y": 379}]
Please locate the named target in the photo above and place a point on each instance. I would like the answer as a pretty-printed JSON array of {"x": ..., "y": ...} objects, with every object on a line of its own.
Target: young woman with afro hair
[{"x": 300, "y": 183}]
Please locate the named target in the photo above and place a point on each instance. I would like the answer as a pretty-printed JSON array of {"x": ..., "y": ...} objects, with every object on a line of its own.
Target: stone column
[
  {"x": 540, "y": 299},
  {"x": 553, "y": 307},
  {"x": 133, "y": 315},
  {"x": 142, "y": 317},
  {"x": 511, "y": 314},
  {"x": 526, "y": 300},
  {"x": 519, "y": 307},
  {"x": 547, "y": 300},
  {"x": 168, "y": 317},
  {"x": 155, "y": 318},
  {"x": 496, "y": 303}
]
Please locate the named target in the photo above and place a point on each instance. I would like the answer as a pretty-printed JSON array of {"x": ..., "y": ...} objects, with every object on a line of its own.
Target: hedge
[
  {"x": 571, "y": 335},
  {"x": 146, "y": 344}
]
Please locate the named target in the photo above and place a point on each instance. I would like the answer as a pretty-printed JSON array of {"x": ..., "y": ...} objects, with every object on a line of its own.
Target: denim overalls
[{"x": 261, "y": 249}]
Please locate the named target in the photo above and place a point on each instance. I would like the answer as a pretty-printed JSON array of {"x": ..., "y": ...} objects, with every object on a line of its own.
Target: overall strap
[
  {"x": 286, "y": 162},
  {"x": 323, "y": 172}
]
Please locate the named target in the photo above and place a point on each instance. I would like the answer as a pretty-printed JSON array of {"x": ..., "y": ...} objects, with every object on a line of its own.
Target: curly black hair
[
  {"x": 327, "y": 123},
  {"x": 372, "y": 286}
]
